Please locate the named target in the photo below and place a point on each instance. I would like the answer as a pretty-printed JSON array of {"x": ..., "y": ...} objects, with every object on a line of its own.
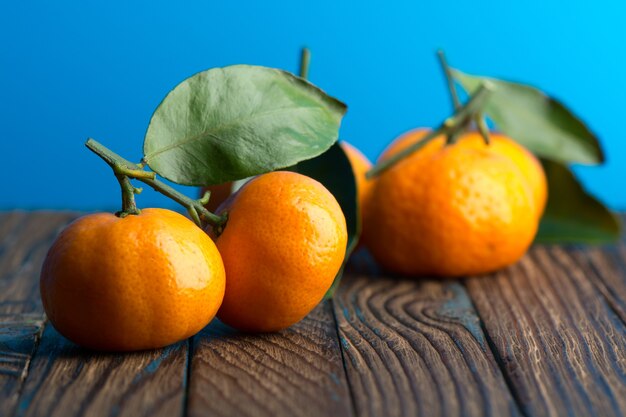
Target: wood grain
[
  {"x": 24, "y": 241},
  {"x": 605, "y": 267},
  {"x": 417, "y": 349},
  {"x": 562, "y": 347},
  {"x": 297, "y": 372},
  {"x": 19, "y": 334},
  {"x": 66, "y": 380}
]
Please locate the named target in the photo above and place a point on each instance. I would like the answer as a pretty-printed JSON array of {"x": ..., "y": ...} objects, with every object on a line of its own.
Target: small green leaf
[
  {"x": 572, "y": 215},
  {"x": 334, "y": 171},
  {"x": 540, "y": 123},
  {"x": 230, "y": 123}
]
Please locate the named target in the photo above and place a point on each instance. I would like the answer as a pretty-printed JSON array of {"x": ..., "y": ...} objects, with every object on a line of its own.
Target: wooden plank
[
  {"x": 562, "y": 347},
  {"x": 66, "y": 380},
  {"x": 19, "y": 335},
  {"x": 24, "y": 241},
  {"x": 416, "y": 348},
  {"x": 605, "y": 267},
  {"x": 297, "y": 372}
]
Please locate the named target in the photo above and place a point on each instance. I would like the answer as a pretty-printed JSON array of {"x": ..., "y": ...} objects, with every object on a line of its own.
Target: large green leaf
[
  {"x": 334, "y": 171},
  {"x": 541, "y": 123},
  {"x": 230, "y": 123},
  {"x": 572, "y": 215}
]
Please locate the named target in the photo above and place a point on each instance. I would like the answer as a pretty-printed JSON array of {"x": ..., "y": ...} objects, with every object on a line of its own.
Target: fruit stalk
[
  {"x": 305, "y": 58},
  {"x": 126, "y": 169},
  {"x": 478, "y": 118},
  {"x": 454, "y": 95},
  {"x": 128, "y": 196},
  {"x": 449, "y": 80},
  {"x": 449, "y": 127}
]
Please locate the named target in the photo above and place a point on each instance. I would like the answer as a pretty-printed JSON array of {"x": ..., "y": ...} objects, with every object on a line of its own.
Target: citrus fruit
[
  {"x": 450, "y": 210},
  {"x": 526, "y": 162},
  {"x": 139, "y": 282},
  {"x": 360, "y": 166},
  {"x": 282, "y": 246},
  {"x": 359, "y": 162},
  {"x": 501, "y": 144}
]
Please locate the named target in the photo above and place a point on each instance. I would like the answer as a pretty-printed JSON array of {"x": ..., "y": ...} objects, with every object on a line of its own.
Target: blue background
[{"x": 99, "y": 69}]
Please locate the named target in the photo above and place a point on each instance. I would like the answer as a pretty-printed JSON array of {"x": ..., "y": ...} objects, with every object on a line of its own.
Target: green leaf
[
  {"x": 572, "y": 215},
  {"x": 230, "y": 123},
  {"x": 334, "y": 171},
  {"x": 540, "y": 123}
]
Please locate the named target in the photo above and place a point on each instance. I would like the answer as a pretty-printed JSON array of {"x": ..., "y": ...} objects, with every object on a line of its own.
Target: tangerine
[
  {"x": 282, "y": 246},
  {"x": 360, "y": 166},
  {"x": 520, "y": 156},
  {"x": 139, "y": 282},
  {"x": 450, "y": 210}
]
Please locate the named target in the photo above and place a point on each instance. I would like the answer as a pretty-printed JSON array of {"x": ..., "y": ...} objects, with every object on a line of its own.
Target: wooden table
[{"x": 544, "y": 337}]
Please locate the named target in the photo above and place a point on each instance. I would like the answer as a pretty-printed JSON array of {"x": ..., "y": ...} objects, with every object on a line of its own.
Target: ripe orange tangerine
[
  {"x": 282, "y": 246},
  {"x": 360, "y": 166},
  {"x": 139, "y": 282},
  {"x": 450, "y": 210},
  {"x": 501, "y": 144}
]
